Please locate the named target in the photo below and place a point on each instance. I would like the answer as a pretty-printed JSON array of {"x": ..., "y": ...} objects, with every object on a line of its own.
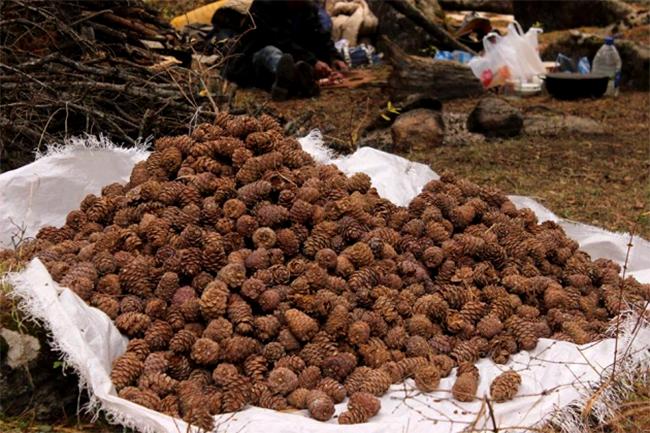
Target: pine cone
[
  {"x": 339, "y": 366},
  {"x": 282, "y": 380},
  {"x": 505, "y": 386},
  {"x": 132, "y": 323},
  {"x": 300, "y": 324},
  {"x": 375, "y": 382},
  {"x": 126, "y": 369},
  {"x": 466, "y": 384},
  {"x": 298, "y": 398},
  {"x": 205, "y": 351},
  {"x": 143, "y": 397},
  {"x": 158, "y": 335},
  {"x": 427, "y": 378},
  {"x": 309, "y": 377},
  {"x": 182, "y": 341},
  {"x": 255, "y": 367},
  {"x": 320, "y": 405},
  {"x": 214, "y": 300}
]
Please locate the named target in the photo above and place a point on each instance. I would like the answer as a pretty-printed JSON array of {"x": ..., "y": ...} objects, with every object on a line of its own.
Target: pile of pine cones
[{"x": 244, "y": 273}]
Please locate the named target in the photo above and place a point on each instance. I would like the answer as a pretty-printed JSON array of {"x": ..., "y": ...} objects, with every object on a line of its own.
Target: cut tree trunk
[
  {"x": 413, "y": 75},
  {"x": 559, "y": 15},
  {"x": 496, "y": 6},
  {"x": 445, "y": 39}
]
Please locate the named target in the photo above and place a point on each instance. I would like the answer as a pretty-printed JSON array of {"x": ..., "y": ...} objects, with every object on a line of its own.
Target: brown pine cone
[
  {"x": 339, "y": 366},
  {"x": 264, "y": 237},
  {"x": 170, "y": 406},
  {"x": 505, "y": 386},
  {"x": 240, "y": 314},
  {"x": 292, "y": 362},
  {"x": 218, "y": 329},
  {"x": 523, "y": 330},
  {"x": 358, "y": 332},
  {"x": 233, "y": 275},
  {"x": 132, "y": 323},
  {"x": 309, "y": 377},
  {"x": 282, "y": 380},
  {"x": 108, "y": 304},
  {"x": 167, "y": 285},
  {"x": 466, "y": 384},
  {"x": 205, "y": 351},
  {"x": 126, "y": 369},
  {"x": 337, "y": 321},
  {"x": 364, "y": 402},
  {"x": 489, "y": 326},
  {"x": 214, "y": 300},
  {"x": 159, "y": 382},
  {"x": 143, "y": 397},
  {"x": 427, "y": 378},
  {"x": 156, "y": 362},
  {"x": 419, "y": 324},
  {"x": 158, "y": 335},
  {"x": 298, "y": 398},
  {"x": 332, "y": 388},
  {"x": 300, "y": 324},
  {"x": 134, "y": 278},
  {"x": 255, "y": 367},
  {"x": 376, "y": 382},
  {"x": 237, "y": 393},
  {"x": 237, "y": 348},
  {"x": 320, "y": 405},
  {"x": 182, "y": 341}
]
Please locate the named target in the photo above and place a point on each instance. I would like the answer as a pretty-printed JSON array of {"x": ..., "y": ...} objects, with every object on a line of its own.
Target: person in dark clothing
[{"x": 282, "y": 46}]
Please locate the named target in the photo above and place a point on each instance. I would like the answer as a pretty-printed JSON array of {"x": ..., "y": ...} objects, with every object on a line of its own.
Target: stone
[
  {"x": 417, "y": 130},
  {"x": 560, "y": 125},
  {"x": 22, "y": 348},
  {"x": 494, "y": 117}
]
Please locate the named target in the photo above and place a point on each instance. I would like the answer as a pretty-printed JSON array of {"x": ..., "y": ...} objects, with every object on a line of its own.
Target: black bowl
[{"x": 571, "y": 85}]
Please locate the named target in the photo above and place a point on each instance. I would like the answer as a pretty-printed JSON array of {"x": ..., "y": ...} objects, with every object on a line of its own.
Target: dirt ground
[{"x": 600, "y": 180}]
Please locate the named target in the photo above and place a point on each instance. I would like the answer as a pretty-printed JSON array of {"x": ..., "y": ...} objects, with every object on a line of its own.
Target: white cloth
[{"x": 555, "y": 375}]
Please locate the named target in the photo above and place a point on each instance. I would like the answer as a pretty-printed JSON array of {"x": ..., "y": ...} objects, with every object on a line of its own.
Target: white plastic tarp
[{"x": 555, "y": 374}]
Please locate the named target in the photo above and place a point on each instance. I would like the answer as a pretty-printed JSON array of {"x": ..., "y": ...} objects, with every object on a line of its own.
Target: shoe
[
  {"x": 285, "y": 78},
  {"x": 306, "y": 80}
]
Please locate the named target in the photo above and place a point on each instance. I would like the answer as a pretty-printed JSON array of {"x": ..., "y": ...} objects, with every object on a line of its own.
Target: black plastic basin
[{"x": 571, "y": 85}]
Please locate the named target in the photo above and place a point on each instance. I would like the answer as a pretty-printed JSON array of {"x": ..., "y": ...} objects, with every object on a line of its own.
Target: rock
[
  {"x": 558, "y": 125},
  {"x": 36, "y": 383},
  {"x": 22, "y": 348},
  {"x": 417, "y": 130},
  {"x": 494, "y": 117},
  {"x": 456, "y": 133}
]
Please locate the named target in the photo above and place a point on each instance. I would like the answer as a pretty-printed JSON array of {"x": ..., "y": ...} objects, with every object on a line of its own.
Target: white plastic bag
[
  {"x": 492, "y": 68},
  {"x": 526, "y": 61},
  {"x": 513, "y": 57}
]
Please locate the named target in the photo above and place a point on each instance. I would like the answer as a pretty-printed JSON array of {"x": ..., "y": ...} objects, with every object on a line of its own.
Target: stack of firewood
[{"x": 110, "y": 67}]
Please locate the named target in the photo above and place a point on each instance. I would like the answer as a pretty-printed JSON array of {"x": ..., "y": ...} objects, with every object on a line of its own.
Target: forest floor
[{"x": 601, "y": 180}]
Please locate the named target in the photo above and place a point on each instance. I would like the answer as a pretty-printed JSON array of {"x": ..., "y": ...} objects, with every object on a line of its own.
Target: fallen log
[
  {"x": 495, "y": 6},
  {"x": 440, "y": 34},
  {"x": 438, "y": 79}
]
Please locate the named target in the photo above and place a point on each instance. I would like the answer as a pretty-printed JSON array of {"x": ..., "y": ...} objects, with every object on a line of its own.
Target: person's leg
[
  {"x": 266, "y": 60},
  {"x": 274, "y": 68}
]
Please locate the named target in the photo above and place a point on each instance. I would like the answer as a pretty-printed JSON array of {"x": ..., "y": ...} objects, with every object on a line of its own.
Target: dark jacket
[{"x": 294, "y": 30}]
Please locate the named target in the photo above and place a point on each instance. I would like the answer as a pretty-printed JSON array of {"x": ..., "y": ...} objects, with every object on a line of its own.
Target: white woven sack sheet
[{"x": 557, "y": 376}]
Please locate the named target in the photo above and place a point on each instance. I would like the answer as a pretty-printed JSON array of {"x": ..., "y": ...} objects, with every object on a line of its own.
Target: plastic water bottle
[{"x": 608, "y": 62}]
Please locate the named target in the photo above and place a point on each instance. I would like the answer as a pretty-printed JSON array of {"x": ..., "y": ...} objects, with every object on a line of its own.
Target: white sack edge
[{"x": 89, "y": 341}]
